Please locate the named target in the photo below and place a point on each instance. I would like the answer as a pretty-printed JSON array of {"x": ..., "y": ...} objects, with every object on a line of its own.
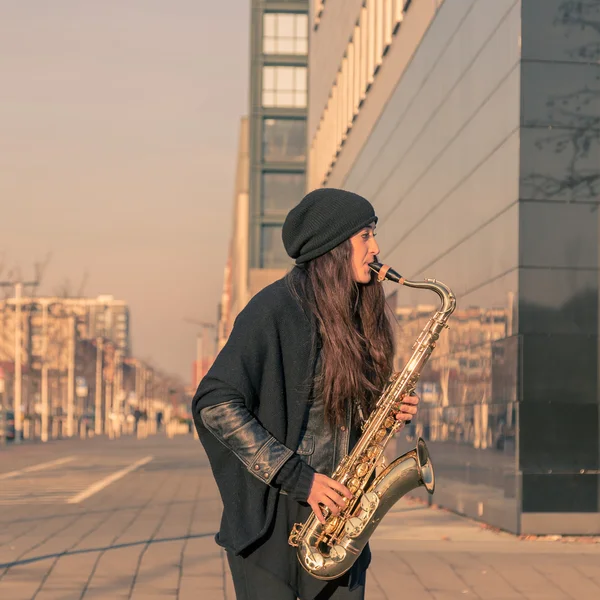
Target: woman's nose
[{"x": 374, "y": 249}]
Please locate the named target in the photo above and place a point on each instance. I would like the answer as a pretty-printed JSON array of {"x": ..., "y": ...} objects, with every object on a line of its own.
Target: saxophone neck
[{"x": 442, "y": 290}]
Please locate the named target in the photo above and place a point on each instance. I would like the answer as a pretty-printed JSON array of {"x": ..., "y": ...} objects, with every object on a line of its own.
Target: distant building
[
  {"x": 235, "y": 293},
  {"x": 59, "y": 333},
  {"x": 96, "y": 317}
]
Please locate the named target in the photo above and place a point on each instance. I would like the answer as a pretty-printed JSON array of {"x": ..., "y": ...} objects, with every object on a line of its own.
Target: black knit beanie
[{"x": 323, "y": 220}]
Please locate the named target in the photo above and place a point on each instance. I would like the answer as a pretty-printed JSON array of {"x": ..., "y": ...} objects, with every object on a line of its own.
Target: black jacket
[{"x": 269, "y": 362}]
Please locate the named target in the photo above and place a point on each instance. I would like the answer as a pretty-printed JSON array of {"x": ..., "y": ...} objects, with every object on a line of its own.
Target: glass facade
[
  {"x": 285, "y": 33},
  {"x": 284, "y": 86},
  {"x": 281, "y": 191},
  {"x": 284, "y": 140},
  {"x": 277, "y": 129},
  {"x": 273, "y": 254},
  {"x": 558, "y": 303},
  {"x": 484, "y": 169}
]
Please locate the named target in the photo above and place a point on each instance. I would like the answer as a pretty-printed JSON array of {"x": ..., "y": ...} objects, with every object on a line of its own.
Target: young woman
[{"x": 284, "y": 400}]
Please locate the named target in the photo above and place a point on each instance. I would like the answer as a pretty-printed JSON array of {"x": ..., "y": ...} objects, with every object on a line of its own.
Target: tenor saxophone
[{"x": 328, "y": 550}]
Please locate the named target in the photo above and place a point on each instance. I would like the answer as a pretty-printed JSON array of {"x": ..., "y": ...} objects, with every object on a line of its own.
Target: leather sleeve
[{"x": 237, "y": 429}]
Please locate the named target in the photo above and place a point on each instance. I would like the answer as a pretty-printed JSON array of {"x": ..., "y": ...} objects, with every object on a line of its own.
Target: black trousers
[{"x": 253, "y": 583}]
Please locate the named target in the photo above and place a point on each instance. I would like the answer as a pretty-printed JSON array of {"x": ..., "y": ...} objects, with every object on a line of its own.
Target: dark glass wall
[
  {"x": 558, "y": 300},
  {"x": 484, "y": 169}
]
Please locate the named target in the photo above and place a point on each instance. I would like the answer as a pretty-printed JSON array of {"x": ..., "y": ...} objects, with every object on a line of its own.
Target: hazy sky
[{"x": 118, "y": 137}]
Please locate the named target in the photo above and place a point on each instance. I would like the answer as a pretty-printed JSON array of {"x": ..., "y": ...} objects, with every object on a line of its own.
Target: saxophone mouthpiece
[{"x": 386, "y": 272}]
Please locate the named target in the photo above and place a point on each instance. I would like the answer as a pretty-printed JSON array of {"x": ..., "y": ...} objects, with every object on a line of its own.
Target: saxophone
[{"x": 328, "y": 550}]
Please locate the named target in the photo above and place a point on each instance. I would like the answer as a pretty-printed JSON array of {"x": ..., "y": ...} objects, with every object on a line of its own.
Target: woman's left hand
[{"x": 408, "y": 408}]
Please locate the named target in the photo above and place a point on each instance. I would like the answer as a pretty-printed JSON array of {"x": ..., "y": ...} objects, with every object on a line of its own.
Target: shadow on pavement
[
  {"x": 34, "y": 559},
  {"x": 97, "y": 512}
]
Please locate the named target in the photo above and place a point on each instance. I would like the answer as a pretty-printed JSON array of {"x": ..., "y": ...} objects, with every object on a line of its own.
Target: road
[{"x": 126, "y": 518}]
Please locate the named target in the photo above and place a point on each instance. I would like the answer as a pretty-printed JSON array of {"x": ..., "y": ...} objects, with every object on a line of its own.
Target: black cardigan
[{"x": 268, "y": 361}]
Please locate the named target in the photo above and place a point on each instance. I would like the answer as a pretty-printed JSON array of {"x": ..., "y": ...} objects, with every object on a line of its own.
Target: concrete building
[
  {"x": 473, "y": 127},
  {"x": 109, "y": 318},
  {"x": 96, "y": 317}
]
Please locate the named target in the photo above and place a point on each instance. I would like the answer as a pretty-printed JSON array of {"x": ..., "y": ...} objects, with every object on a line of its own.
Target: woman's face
[{"x": 364, "y": 251}]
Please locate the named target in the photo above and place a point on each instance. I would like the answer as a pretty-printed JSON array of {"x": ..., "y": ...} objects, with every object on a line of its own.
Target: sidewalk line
[
  {"x": 100, "y": 485},
  {"x": 40, "y": 467}
]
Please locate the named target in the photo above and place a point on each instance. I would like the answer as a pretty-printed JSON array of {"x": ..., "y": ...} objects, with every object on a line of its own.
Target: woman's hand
[
  {"x": 408, "y": 408},
  {"x": 327, "y": 492}
]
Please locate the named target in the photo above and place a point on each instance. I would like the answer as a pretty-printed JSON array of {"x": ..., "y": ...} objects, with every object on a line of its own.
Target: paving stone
[{"x": 152, "y": 536}]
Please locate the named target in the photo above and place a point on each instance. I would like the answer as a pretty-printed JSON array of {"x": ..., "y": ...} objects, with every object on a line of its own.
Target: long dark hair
[{"x": 353, "y": 332}]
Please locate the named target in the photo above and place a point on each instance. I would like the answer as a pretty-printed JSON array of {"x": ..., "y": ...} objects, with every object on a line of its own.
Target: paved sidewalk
[{"x": 149, "y": 534}]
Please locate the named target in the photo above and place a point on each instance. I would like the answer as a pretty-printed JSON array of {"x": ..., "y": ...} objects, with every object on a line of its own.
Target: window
[
  {"x": 281, "y": 191},
  {"x": 284, "y": 139},
  {"x": 284, "y": 86},
  {"x": 272, "y": 252},
  {"x": 285, "y": 33}
]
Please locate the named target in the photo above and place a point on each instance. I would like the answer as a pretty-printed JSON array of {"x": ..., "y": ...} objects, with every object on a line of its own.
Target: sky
[{"x": 119, "y": 126}]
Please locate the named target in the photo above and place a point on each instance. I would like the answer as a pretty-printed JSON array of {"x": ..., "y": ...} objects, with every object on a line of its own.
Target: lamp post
[
  {"x": 44, "y": 373},
  {"x": 18, "y": 364},
  {"x": 99, "y": 379}
]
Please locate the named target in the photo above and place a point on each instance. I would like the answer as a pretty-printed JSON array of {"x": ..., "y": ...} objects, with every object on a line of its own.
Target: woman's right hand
[{"x": 327, "y": 492}]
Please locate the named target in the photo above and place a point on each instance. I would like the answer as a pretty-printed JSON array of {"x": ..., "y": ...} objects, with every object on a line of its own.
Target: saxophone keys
[
  {"x": 354, "y": 526},
  {"x": 389, "y": 422},
  {"x": 353, "y": 484},
  {"x": 373, "y": 451},
  {"x": 337, "y": 553},
  {"x": 332, "y": 525},
  {"x": 380, "y": 435},
  {"x": 362, "y": 469},
  {"x": 314, "y": 560},
  {"x": 369, "y": 502}
]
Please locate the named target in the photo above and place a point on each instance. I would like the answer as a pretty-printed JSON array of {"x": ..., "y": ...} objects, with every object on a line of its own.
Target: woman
[{"x": 285, "y": 398}]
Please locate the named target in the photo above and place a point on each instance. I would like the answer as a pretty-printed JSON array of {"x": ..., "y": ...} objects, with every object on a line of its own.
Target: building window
[
  {"x": 272, "y": 252},
  {"x": 281, "y": 191},
  {"x": 284, "y": 86},
  {"x": 284, "y": 140},
  {"x": 285, "y": 33}
]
